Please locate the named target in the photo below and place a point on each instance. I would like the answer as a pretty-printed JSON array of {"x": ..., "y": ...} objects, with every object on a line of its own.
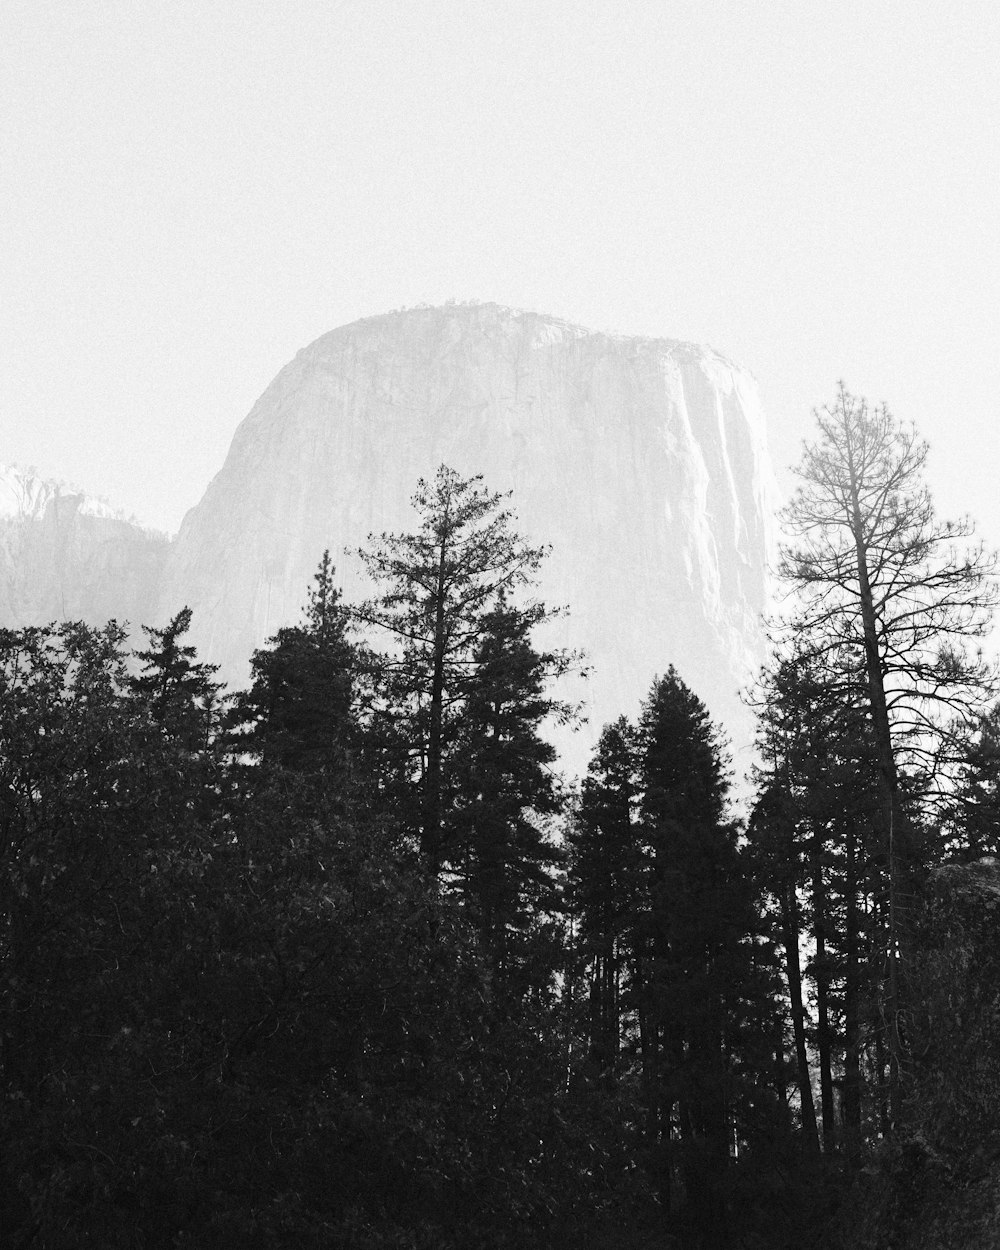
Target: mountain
[
  {"x": 641, "y": 461},
  {"x": 66, "y": 556}
]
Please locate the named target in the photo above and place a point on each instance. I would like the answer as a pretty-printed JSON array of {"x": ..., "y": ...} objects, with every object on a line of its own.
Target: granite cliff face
[
  {"x": 66, "y": 556},
  {"x": 641, "y": 461}
]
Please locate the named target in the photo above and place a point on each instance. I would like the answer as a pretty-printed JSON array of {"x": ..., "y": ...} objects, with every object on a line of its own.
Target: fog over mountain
[{"x": 641, "y": 461}]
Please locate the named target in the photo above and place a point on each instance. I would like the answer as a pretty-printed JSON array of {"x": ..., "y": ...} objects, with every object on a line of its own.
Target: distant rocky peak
[
  {"x": 67, "y": 555},
  {"x": 642, "y": 462},
  {"x": 25, "y": 494}
]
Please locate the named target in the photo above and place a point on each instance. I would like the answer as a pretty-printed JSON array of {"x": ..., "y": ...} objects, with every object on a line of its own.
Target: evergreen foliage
[
  {"x": 679, "y": 980},
  {"x": 505, "y": 790},
  {"x": 352, "y": 969},
  {"x": 182, "y": 694},
  {"x": 890, "y": 609},
  {"x": 605, "y": 876},
  {"x": 693, "y": 939},
  {"x": 446, "y": 588},
  {"x": 816, "y": 848},
  {"x": 298, "y": 714},
  {"x": 973, "y": 814},
  {"x": 460, "y": 701}
]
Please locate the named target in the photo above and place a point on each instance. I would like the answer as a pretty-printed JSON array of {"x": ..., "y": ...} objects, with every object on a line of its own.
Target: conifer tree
[
  {"x": 181, "y": 692},
  {"x": 299, "y": 711},
  {"x": 441, "y": 589},
  {"x": 880, "y": 577},
  {"x": 505, "y": 789},
  {"x": 681, "y": 983},
  {"x": 604, "y": 884},
  {"x": 695, "y": 945},
  {"x": 974, "y": 808},
  {"x": 814, "y": 845}
]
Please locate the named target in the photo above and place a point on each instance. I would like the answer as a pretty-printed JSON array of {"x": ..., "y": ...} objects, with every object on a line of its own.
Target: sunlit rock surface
[
  {"x": 641, "y": 461},
  {"x": 66, "y": 556}
]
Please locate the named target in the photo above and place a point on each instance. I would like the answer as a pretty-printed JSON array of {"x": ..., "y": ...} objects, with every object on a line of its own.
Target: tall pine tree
[
  {"x": 450, "y": 595},
  {"x": 694, "y": 942},
  {"x": 505, "y": 789},
  {"x": 604, "y": 885}
]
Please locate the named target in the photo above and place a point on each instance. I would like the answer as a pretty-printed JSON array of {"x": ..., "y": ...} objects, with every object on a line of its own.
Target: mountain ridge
[
  {"x": 65, "y": 554},
  {"x": 641, "y": 461},
  {"x": 607, "y": 442}
]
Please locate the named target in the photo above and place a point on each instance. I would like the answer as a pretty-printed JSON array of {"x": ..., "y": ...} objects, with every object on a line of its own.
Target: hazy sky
[{"x": 192, "y": 190}]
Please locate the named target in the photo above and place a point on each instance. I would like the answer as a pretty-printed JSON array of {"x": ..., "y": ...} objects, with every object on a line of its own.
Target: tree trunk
[
  {"x": 852, "y": 1029},
  {"x": 892, "y": 813},
  {"x": 614, "y": 1006},
  {"x": 596, "y": 1029},
  {"x": 780, "y": 1065},
  {"x": 821, "y": 974},
  {"x": 882, "y": 1084},
  {"x": 790, "y": 928},
  {"x": 431, "y": 832}
]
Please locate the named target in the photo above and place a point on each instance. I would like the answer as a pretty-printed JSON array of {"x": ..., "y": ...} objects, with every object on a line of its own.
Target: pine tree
[
  {"x": 694, "y": 940},
  {"x": 442, "y": 586},
  {"x": 604, "y": 882},
  {"x": 974, "y": 808},
  {"x": 505, "y": 789},
  {"x": 879, "y": 576},
  {"x": 814, "y": 844},
  {"x": 298, "y": 714},
  {"x": 181, "y": 692}
]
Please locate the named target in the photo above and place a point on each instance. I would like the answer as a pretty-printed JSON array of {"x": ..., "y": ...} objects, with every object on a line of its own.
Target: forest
[{"x": 343, "y": 960}]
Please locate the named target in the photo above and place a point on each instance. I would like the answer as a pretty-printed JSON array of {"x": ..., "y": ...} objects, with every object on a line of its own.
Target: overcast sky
[{"x": 192, "y": 190}]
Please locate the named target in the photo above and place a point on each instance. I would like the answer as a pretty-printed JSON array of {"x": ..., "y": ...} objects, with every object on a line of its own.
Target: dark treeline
[{"x": 340, "y": 960}]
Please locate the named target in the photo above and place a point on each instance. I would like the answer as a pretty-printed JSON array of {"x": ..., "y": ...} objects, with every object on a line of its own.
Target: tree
[
  {"x": 299, "y": 712},
  {"x": 604, "y": 883},
  {"x": 680, "y": 979},
  {"x": 442, "y": 587},
  {"x": 694, "y": 933},
  {"x": 105, "y": 839},
  {"x": 974, "y": 808},
  {"x": 181, "y": 691},
  {"x": 881, "y": 580},
  {"x": 813, "y": 846},
  {"x": 504, "y": 785}
]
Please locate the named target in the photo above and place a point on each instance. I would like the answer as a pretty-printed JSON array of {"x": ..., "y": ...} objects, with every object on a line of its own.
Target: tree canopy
[{"x": 343, "y": 959}]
